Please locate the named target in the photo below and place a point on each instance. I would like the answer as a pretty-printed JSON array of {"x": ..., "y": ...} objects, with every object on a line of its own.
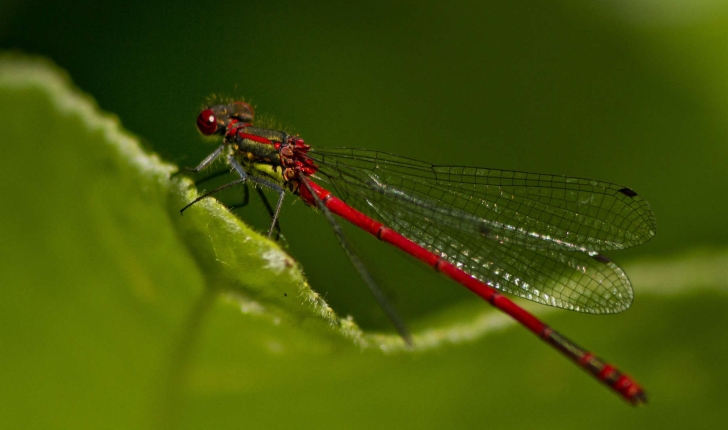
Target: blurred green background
[{"x": 629, "y": 92}]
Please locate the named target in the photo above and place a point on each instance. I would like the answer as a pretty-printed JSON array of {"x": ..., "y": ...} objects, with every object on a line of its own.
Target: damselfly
[{"x": 535, "y": 236}]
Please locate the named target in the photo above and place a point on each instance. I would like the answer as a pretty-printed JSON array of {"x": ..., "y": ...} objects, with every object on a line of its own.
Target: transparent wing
[{"x": 532, "y": 235}]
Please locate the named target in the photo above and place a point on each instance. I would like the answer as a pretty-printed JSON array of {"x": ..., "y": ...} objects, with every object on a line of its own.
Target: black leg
[
  {"x": 216, "y": 190},
  {"x": 203, "y": 164},
  {"x": 379, "y": 296},
  {"x": 207, "y": 161},
  {"x": 244, "y": 178},
  {"x": 262, "y": 182},
  {"x": 246, "y": 198},
  {"x": 272, "y": 214}
]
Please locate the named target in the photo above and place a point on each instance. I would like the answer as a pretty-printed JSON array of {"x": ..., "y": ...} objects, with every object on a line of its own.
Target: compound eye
[{"x": 207, "y": 122}]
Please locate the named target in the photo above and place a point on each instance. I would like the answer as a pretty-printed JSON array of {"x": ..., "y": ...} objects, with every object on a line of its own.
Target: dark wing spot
[
  {"x": 601, "y": 258},
  {"x": 628, "y": 192}
]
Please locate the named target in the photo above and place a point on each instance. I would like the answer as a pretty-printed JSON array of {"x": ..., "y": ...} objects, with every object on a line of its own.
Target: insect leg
[{"x": 262, "y": 182}]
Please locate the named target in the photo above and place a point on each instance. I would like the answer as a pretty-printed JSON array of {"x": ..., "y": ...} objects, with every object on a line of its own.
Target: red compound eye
[{"x": 207, "y": 123}]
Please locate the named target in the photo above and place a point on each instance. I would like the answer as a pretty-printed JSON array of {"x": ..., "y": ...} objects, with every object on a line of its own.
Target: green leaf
[{"x": 118, "y": 312}]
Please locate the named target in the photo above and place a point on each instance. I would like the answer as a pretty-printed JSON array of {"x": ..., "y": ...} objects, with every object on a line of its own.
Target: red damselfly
[{"x": 535, "y": 236}]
